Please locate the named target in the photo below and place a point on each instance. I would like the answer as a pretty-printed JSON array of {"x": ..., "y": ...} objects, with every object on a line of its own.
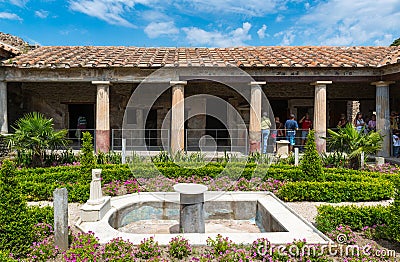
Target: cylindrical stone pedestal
[{"x": 191, "y": 215}]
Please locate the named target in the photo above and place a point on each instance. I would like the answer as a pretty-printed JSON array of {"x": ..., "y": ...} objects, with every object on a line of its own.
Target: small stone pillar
[
  {"x": 97, "y": 205},
  {"x": 60, "y": 203},
  {"x": 320, "y": 114},
  {"x": 382, "y": 115},
  {"x": 191, "y": 216},
  {"x": 3, "y": 108},
  {"x": 379, "y": 160},
  {"x": 282, "y": 148},
  {"x": 296, "y": 156},
  {"x": 178, "y": 116},
  {"x": 255, "y": 116},
  {"x": 102, "y": 116}
]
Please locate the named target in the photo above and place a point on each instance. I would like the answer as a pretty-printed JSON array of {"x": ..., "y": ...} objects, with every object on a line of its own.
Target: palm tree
[
  {"x": 352, "y": 142},
  {"x": 35, "y": 134}
]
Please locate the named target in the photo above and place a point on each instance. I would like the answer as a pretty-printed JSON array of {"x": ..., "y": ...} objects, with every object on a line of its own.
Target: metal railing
[
  {"x": 140, "y": 139},
  {"x": 281, "y": 134},
  {"x": 75, "y": 137},
  {"x": 229, "y": 140}
]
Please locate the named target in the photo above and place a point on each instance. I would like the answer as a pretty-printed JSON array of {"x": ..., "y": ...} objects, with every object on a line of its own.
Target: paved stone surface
[{"x": 172, "y": 226}]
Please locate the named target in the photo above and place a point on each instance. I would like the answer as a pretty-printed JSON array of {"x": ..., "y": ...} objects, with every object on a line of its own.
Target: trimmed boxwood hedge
[
  {"x": 39, "y": 183},
  {"x": 330, "y": 217},
  {"x": 337, "y": 191}
]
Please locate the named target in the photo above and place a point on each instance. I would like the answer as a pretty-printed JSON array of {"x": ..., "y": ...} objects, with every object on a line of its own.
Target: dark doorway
[
  {"x": 216, "y": 116},
  {"x": 151, "y": 129},
  {"x": 280, "y": 109},
  {"x": 77, "y": 110},
  {"x": 80, "y": 111}
]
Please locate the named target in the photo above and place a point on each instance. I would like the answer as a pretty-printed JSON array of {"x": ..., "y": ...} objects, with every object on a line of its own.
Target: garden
[{"x": 41, "y": 162}]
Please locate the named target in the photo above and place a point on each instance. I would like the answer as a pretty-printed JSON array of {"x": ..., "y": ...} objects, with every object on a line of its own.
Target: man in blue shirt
[{"x": 290, "y": 128}]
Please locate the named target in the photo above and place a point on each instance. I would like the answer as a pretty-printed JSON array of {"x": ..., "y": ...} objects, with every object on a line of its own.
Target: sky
[{"x": 202, "y": 23}]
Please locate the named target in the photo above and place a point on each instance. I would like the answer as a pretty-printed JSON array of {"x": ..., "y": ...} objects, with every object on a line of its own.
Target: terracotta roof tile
[{"x": 263, "y": 56}]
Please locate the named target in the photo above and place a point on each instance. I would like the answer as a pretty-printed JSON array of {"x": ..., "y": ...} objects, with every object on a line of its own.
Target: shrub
[
  {"x": 84, "y": 247},
  {"x": 179, "y": 247},
  {"x": 15, "y": 222},
  {"x": 311, "y": 164},
  {"x": 148, "y": 248},
  {"x": 335, "y": 159},
  {"x": 330, "y": 217},
  {"x": 87, "y": 158},
  {"x": 118, "y": 250},
  {"x": 5, "y": 256},
  {"x": 43, "y": 250},
  {"x": 34, "y": 134},
  {"x": 338, "y": 191},
  {"x": 220, "y": 245}
]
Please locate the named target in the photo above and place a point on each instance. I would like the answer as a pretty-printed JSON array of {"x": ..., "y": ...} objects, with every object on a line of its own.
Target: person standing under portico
[
  {"x": 265, "y": 130},
  {"x": 290, "y": 128}
]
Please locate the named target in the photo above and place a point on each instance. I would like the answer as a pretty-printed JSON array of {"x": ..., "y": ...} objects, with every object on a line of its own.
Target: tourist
[
  {"x": 394, "y": 121},
  {"x": 290, "y": 129},
  {"x": 306, "y": 125},
  {"x": 265, "y": 130},
  {"x": 359, "y": 122},
  {"x": 396, "y": 143},
  {"x": 342, "y": 121},
  {"x": 372, "y": 123},
  {"x": 279, "y": 128},
  {"x": 277, "y": 133}
]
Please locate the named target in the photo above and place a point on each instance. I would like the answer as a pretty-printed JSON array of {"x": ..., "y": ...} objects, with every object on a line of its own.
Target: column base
[{"x": 102, "y": 141}]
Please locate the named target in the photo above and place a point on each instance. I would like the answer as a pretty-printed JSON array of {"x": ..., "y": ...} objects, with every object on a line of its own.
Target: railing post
[{"x": 123, "y": 154}]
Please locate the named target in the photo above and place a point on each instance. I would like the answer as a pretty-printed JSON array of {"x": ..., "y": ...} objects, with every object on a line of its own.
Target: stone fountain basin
[{"x": 279, "y": 223}]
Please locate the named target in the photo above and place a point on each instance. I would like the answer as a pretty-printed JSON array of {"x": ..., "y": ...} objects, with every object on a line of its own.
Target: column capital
[
  {"x": 101, "y": 83},
  {"x": 254, "y": 83},
  {"x": 174, "y": 82},
  {"x": 317, "y": 83},
  {"x": 382, "y": 83}
]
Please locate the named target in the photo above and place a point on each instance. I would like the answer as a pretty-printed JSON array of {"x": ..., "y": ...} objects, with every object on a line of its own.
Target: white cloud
[
  {"x": 261, "y": 31},
  {"x": 236, "y": 37},
  {"x": 287, "y": 37},
  {"x": 245, "y": 7},
  {"x": 9, "y": 16},
  {"x": 356, "y": 22},
  {"x": 111, "y": 11},
  {"x": 41, "y": 13},
  {"x": 20, "y": 3},
  {"x": 154, "y": 29},
  {"x": 279, "y": 18}
]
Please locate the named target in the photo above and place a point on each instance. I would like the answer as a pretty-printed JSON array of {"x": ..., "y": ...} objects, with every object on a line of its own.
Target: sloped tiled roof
[
  {"x": 12, "y": 44},
  {"x": 142, "y": 57}
]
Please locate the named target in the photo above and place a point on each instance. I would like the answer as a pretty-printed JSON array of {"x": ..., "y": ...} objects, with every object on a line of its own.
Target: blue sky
[{"x": 211, "y": 23}]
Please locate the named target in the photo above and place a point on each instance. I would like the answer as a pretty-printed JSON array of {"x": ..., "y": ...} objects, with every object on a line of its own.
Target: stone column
[
  {"x": 255, "y": 116},
  {"x": 3, "y": 108},
  {"x": 102, "y": 116},
  {"x": 320, "y": 114},
  {"x": 383, "y": 115},
  {"x": 177, "y": 116}
]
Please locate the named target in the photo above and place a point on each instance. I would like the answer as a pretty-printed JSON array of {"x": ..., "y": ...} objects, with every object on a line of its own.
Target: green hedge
[
  {"x": 39, "y": 184},
  {"x": 337, "y": 191},
  {"x": 330, "y": 217}
]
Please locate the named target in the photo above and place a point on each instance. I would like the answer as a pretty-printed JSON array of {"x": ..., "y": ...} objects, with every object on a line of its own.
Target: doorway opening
[{"x": 84, "y": 113}]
